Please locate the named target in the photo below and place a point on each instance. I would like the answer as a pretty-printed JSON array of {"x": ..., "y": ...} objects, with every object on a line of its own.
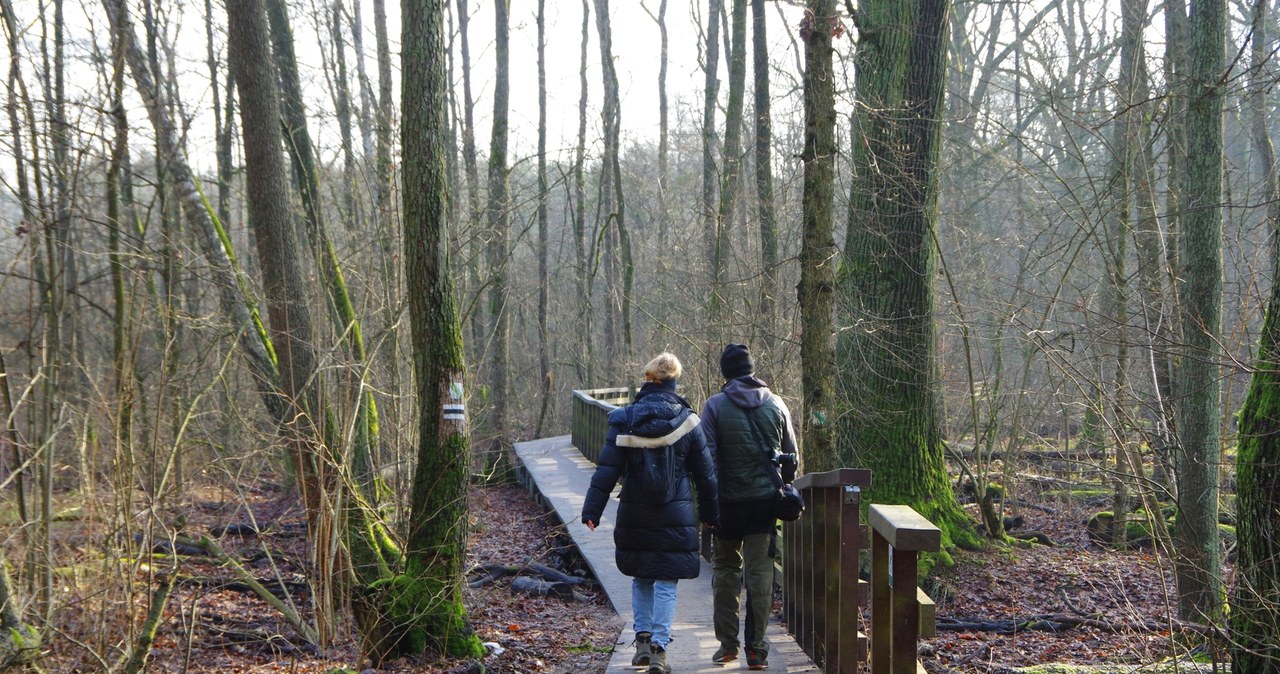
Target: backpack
[
  {"x": 653, "y": 465},
  {"x": 656, "y": 477}
]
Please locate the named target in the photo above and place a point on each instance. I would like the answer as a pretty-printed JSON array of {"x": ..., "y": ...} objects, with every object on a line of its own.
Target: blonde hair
[{"x": 664, "y": 367}]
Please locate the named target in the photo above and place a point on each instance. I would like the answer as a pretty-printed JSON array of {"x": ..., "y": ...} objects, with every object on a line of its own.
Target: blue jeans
[{"x": 653, "y": 604}]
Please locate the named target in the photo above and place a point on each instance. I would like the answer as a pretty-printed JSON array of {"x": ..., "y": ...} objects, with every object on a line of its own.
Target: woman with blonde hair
[{"x": 655, "y": 445}]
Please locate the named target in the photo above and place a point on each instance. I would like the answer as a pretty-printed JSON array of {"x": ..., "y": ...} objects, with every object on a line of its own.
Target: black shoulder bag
[{"x": 788, "y": 504}]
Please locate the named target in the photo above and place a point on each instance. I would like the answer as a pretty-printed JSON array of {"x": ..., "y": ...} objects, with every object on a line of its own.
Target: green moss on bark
[
  {"x": 420, "y": 612},
  {"x": 19, "y": 645}
]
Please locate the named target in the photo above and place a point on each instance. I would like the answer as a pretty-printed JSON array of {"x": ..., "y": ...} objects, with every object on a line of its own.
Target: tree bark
[
  {"x": 472, "y": 172},
  {"x": 428, "y": 598},
  {"x": 764, "y": 179},
  {"x": 586, "y": 370},
  {"x": 731, "y": 161},
  {"x": 1198, "y": 564},
  {"x": 499, "y": 239},
  {"x": 886, "y": 355},
  {"x": 342, "y": 110},
  {"x": 269, "y": 202},
  {"x": 544, "y": 243},
  {"x": 1255, "y": 624},
  {"x": 818, "y": 253},
  {"x": 618, "y": 263},
  {"x": 711, "y": 94}
]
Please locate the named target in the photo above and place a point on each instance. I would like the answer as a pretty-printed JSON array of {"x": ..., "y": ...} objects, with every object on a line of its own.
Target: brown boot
[
  {"x": 641, "y": 658},
  {"x": 658, "y": 660}
]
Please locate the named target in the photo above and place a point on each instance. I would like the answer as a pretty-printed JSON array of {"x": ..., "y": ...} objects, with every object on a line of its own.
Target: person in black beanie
[{"x": 746, "y": 427}]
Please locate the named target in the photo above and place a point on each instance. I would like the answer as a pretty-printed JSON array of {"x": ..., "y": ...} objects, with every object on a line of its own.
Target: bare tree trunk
[
  {"x": 385, "y": 115},
  {"x": 1118, "y": 212},
  {"x": 664, "y": 169},
  {"x": 586, "y": 372},
  {"x": 544, "y": 244},
  {"x": 732, "y": 160},
  {"x": 818, "y": 254},
  {"x": 474, "y": 258},
  {"x": 1198, "y": 564},
  {"x": 711, "y": 93},
  {"x": 499, "y": 241},
  {"x": 215, "y": 92},
  {"x": 342, "y": 109},
  {"x": 613, "y": 202},
  {"x": 287, "y": 292},
  {"x": 764, "y": 180}
]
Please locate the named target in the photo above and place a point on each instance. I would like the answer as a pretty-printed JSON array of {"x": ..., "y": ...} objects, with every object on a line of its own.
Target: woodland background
[{"x": 1086, "y": 292}]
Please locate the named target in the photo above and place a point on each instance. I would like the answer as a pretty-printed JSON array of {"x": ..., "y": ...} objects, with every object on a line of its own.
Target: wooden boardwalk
[{"x": 554, "y": 469}]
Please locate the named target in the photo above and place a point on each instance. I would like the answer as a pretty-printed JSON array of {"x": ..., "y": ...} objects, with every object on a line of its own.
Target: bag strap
[{"x": 775, "y": 475}]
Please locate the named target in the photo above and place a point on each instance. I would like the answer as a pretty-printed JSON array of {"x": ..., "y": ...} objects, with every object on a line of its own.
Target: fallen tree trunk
[
  {"x": 494, "y": 572},
  {"x": 541, "y": 588},
  {"x": 304, "y": 628},
  {"x": 1061, "y": 622},
  {"x": 137, "y": 657}
]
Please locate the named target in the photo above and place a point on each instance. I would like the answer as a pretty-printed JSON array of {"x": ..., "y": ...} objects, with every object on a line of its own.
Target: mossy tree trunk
[
  {"x": 886, "y": 354},
  {"x": 818, "y": 253},
  {"x": 423, "y": 608},
  {"x": 369, "y": 545},
  {"x": 19, "y": 643},
  {"x": 1255, "y": 616}
]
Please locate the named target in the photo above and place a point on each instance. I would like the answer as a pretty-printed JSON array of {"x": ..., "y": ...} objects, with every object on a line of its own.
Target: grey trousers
[{"x": 730, "y": 562}]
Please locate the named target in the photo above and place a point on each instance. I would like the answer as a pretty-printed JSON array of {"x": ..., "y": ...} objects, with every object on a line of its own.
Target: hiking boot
[
  {"x": 724, "y": 655},
  {"x": 757, "y": 660},
  {"x": 643, "y": 648},
  {"x": 658, "y": 660}
]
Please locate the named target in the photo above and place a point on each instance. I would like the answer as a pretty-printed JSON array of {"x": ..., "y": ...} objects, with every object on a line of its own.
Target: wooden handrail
[
  {"x": 821, "y": 592},
  {"x": 591, "y": 408},
  {"x": 899, "y": 535}
]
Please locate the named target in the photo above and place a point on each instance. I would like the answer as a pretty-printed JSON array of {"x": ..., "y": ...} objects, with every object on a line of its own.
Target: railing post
[
  {"x": 899, "y": 534},
  {"x": 881, "y": 612},
  {"x": 852, "y": 642}
]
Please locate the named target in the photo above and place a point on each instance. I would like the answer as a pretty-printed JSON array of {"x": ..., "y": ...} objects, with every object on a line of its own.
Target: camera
[{"x": 787, "y": 465}]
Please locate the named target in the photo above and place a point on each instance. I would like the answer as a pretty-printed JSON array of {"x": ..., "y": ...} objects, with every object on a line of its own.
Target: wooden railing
[
  {"x": 899, "y": 535},
  {"x": 591, "y": 410},
  {"x": 821, "y": 592},
  {"x": 822, "y": 595}
]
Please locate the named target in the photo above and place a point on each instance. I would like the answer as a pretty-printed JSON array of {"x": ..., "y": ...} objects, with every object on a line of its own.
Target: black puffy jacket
[{"x": 656, "y": 536}]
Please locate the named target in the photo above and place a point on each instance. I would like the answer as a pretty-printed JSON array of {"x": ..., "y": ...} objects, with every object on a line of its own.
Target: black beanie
[{"x": 736, "y": 362}]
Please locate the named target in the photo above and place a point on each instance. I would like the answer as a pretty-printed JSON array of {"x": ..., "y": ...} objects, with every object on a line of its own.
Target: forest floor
[{"x": 213, "y": 624}]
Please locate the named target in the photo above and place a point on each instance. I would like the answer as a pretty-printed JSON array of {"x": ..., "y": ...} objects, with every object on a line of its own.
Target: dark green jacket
[{"x": 743, "y": 450}]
